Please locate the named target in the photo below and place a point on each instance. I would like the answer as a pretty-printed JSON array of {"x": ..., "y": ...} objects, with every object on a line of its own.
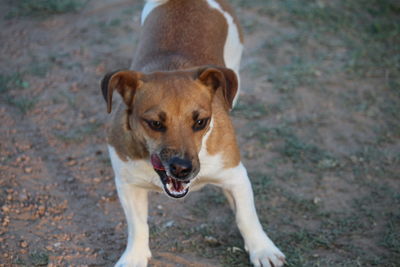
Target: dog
[{"x": 172, "y": 132}]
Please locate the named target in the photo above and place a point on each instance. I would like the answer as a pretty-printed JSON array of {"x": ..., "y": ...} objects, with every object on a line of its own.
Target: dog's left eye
[{"x": 200, "y": 124}]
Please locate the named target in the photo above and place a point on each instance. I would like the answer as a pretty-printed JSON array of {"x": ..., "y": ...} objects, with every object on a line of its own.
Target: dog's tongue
[
  {"x": 156, "y": 162},
  {"x": 177, "y": 185}
]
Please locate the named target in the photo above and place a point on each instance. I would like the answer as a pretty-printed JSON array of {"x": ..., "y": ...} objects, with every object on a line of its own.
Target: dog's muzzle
[{"x": 178, "y": 185}]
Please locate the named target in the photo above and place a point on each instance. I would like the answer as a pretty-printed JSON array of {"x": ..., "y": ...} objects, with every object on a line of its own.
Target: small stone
[
  {"x": 316, "y": 200},
  {"x": 211, "y": 240},
  {"x": 28, "y": 169},
  {"x": 71, "y": 179},
  {"x": 235, "y": 249},
  {"x": 41, "y": 210},
  {"x": 5, "y": 208},
  {"x": 71, "y": 162},
  {"x": 168, "y": 224},
  {"x": 23, "y": 244},
  {"x": 6, "y": 221}
]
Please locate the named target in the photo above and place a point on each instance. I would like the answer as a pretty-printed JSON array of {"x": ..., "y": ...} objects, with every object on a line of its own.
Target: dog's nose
[{"x": 180, "y": 168}]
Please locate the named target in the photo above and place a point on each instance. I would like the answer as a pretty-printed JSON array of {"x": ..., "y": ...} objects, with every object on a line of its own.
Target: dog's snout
[{"x": 180, "y": 168}]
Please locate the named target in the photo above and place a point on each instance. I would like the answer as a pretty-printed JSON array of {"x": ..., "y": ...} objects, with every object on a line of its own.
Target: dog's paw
[
  {"x": 267, "y": 256},
  {"x": 132, "y": 259}
]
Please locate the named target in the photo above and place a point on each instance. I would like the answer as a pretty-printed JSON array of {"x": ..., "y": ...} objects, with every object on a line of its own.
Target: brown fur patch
[{"x": 223, "y": 139}]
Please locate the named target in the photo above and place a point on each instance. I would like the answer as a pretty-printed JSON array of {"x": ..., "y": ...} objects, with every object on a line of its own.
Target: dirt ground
[{"x": 317, "y": 121}]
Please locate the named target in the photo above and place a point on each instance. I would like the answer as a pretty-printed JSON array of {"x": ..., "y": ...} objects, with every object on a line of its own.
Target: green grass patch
[
  {"x": 34, "y": 259},
  {"x": 290, "y": 145},
  {"x": 39, "y": 8},
  {"x": 298, "y": 73},
  {"x": 12, "y": 81},
  {"x": 22, "y": 103},
  {"x": 250, "y": 110},
  {"x": 369, "y": 29},
  {"x": 391, "y": 238}
]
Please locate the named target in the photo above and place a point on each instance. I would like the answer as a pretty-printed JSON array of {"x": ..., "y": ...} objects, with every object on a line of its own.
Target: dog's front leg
[
  {"x": 134, "y": 203},
  {"x": 262, "y": 250}
]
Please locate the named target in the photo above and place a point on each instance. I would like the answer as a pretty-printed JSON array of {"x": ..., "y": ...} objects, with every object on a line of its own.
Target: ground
[{"x": 318, "y": 123}]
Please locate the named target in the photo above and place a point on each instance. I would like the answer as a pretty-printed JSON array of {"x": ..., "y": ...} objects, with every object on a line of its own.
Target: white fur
[
  {"x": 149, "y": 6},
  {"x": 209, "y": 164},
  {"x": 135, "y": 172},
  {"x": 133, "y": 179},
  {"x": 233, "y": 48},
  {"x": 237, "y": 186}
]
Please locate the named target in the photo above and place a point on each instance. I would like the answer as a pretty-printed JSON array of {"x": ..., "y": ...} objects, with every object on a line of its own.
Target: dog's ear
[
  {"x": 220, "y": 78},
  {"x": 126, "y": 82}
]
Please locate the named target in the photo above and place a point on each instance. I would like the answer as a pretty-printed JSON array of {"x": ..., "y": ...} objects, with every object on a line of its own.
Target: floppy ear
[
  {"x": 220, "y": 78},
  {"x": 125, "y": 82}
]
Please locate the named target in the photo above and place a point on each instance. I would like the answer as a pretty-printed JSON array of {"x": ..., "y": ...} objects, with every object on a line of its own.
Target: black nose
[{"x": 180, "y": 168}]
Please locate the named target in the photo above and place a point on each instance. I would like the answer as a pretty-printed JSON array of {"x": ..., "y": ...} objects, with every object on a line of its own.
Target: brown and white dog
[{"x": 172, "y": 132}]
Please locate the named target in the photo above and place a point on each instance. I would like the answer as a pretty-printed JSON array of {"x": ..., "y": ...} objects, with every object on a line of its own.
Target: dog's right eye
[{"x": 156, "y": 125}]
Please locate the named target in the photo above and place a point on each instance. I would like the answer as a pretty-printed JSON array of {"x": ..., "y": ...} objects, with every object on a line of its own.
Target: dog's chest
[{"x": 141, "y": 172}]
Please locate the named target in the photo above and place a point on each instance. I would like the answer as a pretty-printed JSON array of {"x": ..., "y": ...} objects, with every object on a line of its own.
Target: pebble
[
  {"x": 168, "y": 224},
  {"x": 211, "y": 240},
  {"x": 235, "y": 249},
  {"x": 71, "y": 162},
  {"x": 23, "y": 244},
  {"x": 316, "y": 200},
  {"x": 41, "y": 210},
  {"x": 5, "y": 208}
]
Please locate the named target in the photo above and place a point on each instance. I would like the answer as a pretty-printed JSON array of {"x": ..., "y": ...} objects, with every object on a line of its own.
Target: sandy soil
[{"x": 57, "y": 196}]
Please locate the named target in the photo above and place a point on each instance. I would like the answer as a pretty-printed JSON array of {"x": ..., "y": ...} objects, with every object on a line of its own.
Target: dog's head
[{"x": 172, "y": 111}]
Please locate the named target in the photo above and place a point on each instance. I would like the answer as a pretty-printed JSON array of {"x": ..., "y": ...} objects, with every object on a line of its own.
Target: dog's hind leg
[
  {"x": 134, "y": 203},
  {"x": 262, "y": 250}
]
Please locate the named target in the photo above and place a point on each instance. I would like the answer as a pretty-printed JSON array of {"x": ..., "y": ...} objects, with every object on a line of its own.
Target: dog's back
[{"x": 188, "y": 33}]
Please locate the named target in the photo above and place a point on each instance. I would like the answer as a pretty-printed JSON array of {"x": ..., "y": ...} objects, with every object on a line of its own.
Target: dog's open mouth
[{"x": 173, "y": 187}]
